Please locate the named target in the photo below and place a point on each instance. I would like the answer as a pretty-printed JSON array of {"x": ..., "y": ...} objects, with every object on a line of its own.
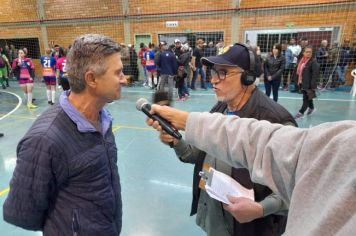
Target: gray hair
[{"x": 88, "y": 52}]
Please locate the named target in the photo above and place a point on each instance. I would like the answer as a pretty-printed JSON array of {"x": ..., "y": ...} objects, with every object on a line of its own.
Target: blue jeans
[
  {"x": 195, "y": 75},
  {"x": 341, "y": 71},
  {"x": 182, "y": 90},
  {"x": 274, "y": 84}
]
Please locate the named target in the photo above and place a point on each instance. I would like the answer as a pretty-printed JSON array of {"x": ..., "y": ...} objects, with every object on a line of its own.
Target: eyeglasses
[{"x": 221, "y": 74}]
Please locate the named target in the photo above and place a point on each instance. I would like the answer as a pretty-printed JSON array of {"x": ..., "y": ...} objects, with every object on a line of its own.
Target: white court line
[
  {"x": 290, "y": 98},
  {"x": 172, "y": 185},
  {"x": 17, "y": 107}
]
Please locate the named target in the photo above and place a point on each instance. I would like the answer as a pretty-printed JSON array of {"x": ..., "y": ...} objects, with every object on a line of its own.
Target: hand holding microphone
[{"x": 143, "y": 105}]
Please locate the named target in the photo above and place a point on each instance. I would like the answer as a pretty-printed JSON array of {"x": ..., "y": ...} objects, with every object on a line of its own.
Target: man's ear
[{"x": 89, "y": 78}]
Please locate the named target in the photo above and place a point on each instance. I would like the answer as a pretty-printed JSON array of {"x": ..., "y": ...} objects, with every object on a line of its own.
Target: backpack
[{"x": 2, "y": 62}]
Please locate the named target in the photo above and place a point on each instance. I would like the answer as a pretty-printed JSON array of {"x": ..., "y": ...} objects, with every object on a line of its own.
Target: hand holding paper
[
  {"x": 244, "y": 209},
  {"x": 238, "y": 200},
  {"x": 219, "y": 186}
]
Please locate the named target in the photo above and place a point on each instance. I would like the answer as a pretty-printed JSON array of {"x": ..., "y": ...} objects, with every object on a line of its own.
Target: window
[
  {"x": 272, "y": 39},
  {"x": 262, "y": 42},
  {"x": 266, "y": 41}
]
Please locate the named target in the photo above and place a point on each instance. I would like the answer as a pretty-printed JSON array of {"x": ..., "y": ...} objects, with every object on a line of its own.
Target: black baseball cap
[{"x": 236, "y": 55}]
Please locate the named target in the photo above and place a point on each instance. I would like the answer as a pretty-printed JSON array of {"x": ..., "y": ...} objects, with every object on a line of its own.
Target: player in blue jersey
[{"x": 48, "y": 64}]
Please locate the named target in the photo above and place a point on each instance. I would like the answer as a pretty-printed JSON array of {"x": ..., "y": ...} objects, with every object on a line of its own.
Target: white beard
[{"x": 227, "y": 98}]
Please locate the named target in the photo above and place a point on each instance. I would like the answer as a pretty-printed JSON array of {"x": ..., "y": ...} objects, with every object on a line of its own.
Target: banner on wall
[{"x": 171, "y": 24}]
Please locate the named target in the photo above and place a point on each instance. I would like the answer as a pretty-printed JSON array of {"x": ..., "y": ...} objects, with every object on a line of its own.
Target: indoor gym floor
[{"x": 156, "y": 187}]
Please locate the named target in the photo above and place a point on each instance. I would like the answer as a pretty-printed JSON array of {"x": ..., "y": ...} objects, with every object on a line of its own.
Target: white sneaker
[{"x": 299, "y": 116}]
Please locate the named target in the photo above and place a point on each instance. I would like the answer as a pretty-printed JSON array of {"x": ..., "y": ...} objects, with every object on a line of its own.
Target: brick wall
[
  {"x": 159, "y": 6},
  {"x": 82, "y": 8},
  {"x": 65, "y": 34},
  {"x": 17, "y": 10}
]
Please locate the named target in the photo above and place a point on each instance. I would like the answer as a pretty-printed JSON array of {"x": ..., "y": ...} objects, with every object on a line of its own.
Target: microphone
[{"x": 143, "y": 105}]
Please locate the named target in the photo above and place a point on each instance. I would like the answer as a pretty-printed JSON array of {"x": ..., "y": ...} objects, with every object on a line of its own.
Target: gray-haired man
[{"x": 66, "y": 180}]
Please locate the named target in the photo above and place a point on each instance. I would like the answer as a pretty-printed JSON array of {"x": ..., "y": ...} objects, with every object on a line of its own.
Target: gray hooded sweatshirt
[{"x": 313, "y": 170}]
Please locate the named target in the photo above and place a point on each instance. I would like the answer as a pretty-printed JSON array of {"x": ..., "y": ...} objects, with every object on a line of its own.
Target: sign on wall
[{"x": 171, "y": 24}]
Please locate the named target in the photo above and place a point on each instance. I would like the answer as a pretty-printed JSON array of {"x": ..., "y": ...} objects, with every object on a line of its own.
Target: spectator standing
[
  {"x": 180, "y": 79},
  {"x": 273, "y": 71},
  {"x": 343, "y": 61},
  {"x": 198, "y": 53},
  {"x": 307, "y": 76},
  {"x": 177, "y": 47},
  {"x": 184, "y": 61},
  {"x": 133, "y": 62},
  {"x": 333, "y": 53},
  {"x": 209, "y": 51},
  {"x": 168, "y": 63},
  {"x": 322, "y": 58},
  {"x": 296, "y": 49}
]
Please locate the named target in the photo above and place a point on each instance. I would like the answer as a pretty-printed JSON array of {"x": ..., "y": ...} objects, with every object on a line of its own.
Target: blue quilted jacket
[{"x": 65, "y": 182}]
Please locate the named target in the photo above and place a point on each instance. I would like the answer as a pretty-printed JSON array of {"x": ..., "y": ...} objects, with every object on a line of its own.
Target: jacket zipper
[
  {"x": 75, "y": 223},
  {"x": 111, "y": 174}
]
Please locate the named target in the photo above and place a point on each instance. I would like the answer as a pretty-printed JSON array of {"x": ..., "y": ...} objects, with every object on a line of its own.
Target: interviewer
[{"x": 313, "y": 170}]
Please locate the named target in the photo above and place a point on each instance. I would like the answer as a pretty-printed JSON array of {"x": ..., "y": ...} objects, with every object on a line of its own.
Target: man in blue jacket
[
  {"x": 167, "y": 61},
  {"x": 66, "y": 179}
]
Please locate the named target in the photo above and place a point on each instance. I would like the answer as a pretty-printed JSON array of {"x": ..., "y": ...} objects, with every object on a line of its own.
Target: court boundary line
[
  {"x": 4, "y": 191},
  {"x": 17, "y": 107},
  {"x": 117, "y": 127}
]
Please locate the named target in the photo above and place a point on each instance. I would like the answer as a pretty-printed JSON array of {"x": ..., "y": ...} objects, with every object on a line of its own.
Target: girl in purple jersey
[{"x": 24, "y": 71}]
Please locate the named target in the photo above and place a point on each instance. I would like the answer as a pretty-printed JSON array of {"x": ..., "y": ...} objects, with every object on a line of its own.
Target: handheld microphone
[{"x": 143, "y": 105}]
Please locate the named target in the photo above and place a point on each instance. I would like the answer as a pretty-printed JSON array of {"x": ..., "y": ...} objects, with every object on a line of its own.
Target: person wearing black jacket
[
  {"x": 133, "y": 62},
  {"x": 184, "y": 61},
  {"x": 307, "y": 74},
  {"x": 322, "y": 58},
  {"x": 273, "y": 71}
]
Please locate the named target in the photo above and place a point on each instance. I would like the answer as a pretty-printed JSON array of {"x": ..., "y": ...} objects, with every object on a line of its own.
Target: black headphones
[{"x": 249, "y": 77}]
